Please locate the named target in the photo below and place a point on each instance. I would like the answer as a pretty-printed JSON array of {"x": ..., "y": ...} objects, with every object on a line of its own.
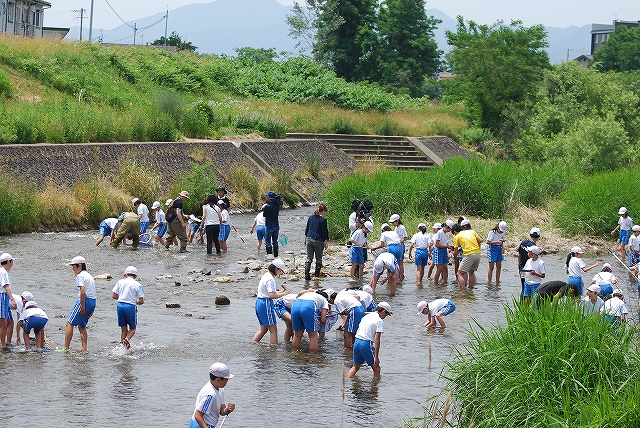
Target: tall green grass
[
  {"x": 472, "y": 187},
  {"x": 546, "y": 368},
  {"x": 590, "y": 206},
  {"x": 200, "y": 181}
]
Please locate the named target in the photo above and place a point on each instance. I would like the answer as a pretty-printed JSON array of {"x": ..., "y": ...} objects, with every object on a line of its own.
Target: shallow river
[{"x": 156, "y": 384}]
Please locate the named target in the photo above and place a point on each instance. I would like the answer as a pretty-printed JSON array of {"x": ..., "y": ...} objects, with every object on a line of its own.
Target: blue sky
[{"x": 554, "y": 13}]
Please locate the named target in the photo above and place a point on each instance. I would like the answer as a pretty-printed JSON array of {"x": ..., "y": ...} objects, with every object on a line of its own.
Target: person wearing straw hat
[
  {"x": 7, "y": 301},
  {"x": 210, "y": 403},
  {"x": 615, "y": 310},
  {"x": 575, "y": 266},
  {"x": 175, "y": 220},
  {"x": 129, "y": 293},
  {"x": 85, "y": 305},
  {"x": 366, "y": 348},
  {"x": 625, "y": 223}
]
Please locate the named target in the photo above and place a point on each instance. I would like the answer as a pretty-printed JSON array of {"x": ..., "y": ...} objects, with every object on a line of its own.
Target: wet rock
[
  {"x": 172, "y": 305},
  {"x": 218, "y": 271},
  {"x": 192, "y": 279},
  {"x": 105, "y": 276},
  {"x": 255, "y": 266},
  {"x": 222, "y": 279},
  {"x": 201, "y": 317},
  {"x": 253, "y": 293},
  {"x": 177, "y": 283},
  {"x": 188, "y": 315},
  {"x": 222, "y": 300},
  {"x": 164, "y": 276},
  {"x": 246, "y": 269},
  {"x": 206, "y": 271}
]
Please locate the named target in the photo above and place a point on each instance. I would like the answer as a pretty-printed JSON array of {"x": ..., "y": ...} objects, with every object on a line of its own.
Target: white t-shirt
[
  {"x": 32, "y": 312},
  {"x": 84, "y": 279},
  {"x": 495, "y": 236},
  {"x": 625, "y": 223},
  {"x": 634, "y": 242},
  {"x": 604, "y": 278},
  {"x": 589, "y": 308},
  {"x": 211, "y": 214},
  {"x": 143, "y": 212},
  {"x": 19, "y": 305},
  {"x": 615, "y": 307},
  {"x": 208, "y": 402},
  {"x": 289, "y": 300},
  {"x": 436, "y": 305},
  {"x": 401, "y": 231},
  {"x": 575, "y": 266},
  {"x": 536, "y": 266},
  {"x": 358, "y": 237},
  {"x": 390, "y": 237},
  {"x": 160, "y": 217},
  {"x": 345, "y": 301},
  {"x": 320, "y": 301},
  {"x": 4, "y": 280},
  {"x": 421, "y": 240},
  {"x": 389, "y": 261},
  {"x": 225, "y": 216},
  {"x": 365, "y": 298},
  {"x": 353, "y": 225},
  {"x": 128, "y": 290},
  {"x": 259, "y": 219},
  {"x": 369, "y": 326},
  {"x": 111, "y": 222},
  {"x": 266, "y": 285},
  {"x": 442, "y": 237}
]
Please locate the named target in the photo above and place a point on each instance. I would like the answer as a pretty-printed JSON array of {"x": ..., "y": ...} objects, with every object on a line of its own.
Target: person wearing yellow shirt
[{"x": 469, "y": 241}]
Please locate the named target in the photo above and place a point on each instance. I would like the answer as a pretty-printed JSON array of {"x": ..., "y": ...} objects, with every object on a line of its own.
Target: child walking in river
[{"x": 210, "y": 403}]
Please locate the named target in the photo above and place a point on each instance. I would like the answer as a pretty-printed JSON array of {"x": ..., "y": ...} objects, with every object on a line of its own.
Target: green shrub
[
  {"x": 245, "y": 185},
  {"x": 6, "y": 86},
  {"x": 200, "y": 181},
  {"x": 546, "y": 367},
  {"x": 343, "y": 126},
  {"x": 313, "y": 164},
  {"x": 389, "y": 127}
]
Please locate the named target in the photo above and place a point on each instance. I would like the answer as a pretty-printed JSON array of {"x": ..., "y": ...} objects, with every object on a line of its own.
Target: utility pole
[
  {"x": 166, "y": 25},
  {"x": 91, "y": 21},
  {"x": 81, "y": 17},
  {"x": 135, "y": 30}
]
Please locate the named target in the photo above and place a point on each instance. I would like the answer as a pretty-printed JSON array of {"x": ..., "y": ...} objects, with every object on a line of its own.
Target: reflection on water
[{"x": 172, "y": 351}]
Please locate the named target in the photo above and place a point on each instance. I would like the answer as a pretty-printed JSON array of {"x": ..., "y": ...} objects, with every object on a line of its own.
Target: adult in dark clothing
[
  {"x": 271, "y": 224},
  {"x": 316, "y": 239},
  {"x": 175, "y": 222},
  {"x": 556, "y": 289},
  {"x": 222, "y": 195},
  {"x": 523, "y": 254}
]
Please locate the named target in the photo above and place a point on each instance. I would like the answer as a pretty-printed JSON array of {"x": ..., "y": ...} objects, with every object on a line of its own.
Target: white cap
[
  {"x": 329, "y": 292},
  {"x": 534, "y": 232},
  {"x": 437, "y": 226},
  {"x": 220, "y": 370},
  {"x": 30, "y": 304},
  {"x": 135, "y": 201},
  {"x": 368, "y": 225},
  {"x": 577, "y": 249},
  {"x": 636, "y": 228},
  {"x": 368, "y": 289},
  {"x": 27, "y": 296},
  {"x": 421, "y": 306},
  {"x": 595, "y": 288},
  {"x": 168, "y": 202},
  {"x": 393, "y": 218},
  {"x": 617, "y": 292},
  {"x": 378, "y": 265},
  {"x": 77, "y": 260},
  {"x": 131, "y": 270},
  {"x": 502, "y": 226},
  {"x": 534, "y": 249},
  {"x": 622, "y": 210},
  {"x": 464, "y": 222},
  {"x": 5, "y": 257},
  {"x": 606, "y": 265},
  {"x": 155, "y": 205},
  {"x": 279, "y": 264},
  {"x": 449, "y": 223},
  {"x": 422, "y": 225},
  {"x": 384, "y": 225},
  {"x": 385, "y": 306}
]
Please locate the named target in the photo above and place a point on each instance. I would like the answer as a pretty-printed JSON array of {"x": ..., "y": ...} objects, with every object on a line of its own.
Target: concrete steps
[{"x": 396, "y": 151}]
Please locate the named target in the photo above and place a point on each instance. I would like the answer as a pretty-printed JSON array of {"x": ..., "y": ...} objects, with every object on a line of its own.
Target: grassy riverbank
[{"x": 79, "y": 92}]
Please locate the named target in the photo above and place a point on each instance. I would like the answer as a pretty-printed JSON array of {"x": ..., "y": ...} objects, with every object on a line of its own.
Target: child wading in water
[{"x": 210, "y": 402}]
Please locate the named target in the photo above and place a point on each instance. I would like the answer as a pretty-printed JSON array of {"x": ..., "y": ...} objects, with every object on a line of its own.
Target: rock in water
[
  {"x": 222, "y": 300},
  {"x": 103, "y": 276},
  {"x": 172, "y": 305}
]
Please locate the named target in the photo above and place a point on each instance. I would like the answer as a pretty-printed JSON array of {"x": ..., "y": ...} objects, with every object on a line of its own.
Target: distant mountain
[{"x": 220, "y": 26}]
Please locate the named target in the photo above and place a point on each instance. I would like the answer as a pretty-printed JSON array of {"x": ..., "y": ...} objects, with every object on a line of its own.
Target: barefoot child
[{"x": 436, "y": 311}]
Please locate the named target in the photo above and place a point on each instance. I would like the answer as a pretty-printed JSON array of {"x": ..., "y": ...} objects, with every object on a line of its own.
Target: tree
[
  {"x": 350, "y": 48},
  {"x": 256, "y": 55},
  {"x": 407, "y": 49},
  {"x": 497, "y": 71},
  {"x": 304, "y": 26},
  {"x": 621, "y": 52},
  {"x": 175, "y": 40}
]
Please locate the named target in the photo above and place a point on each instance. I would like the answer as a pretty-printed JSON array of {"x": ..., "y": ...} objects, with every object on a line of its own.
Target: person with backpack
[{"x": 175, "y": 222}]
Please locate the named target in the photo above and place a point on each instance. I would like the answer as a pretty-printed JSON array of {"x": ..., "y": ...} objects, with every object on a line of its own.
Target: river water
[{"x": 156, "y": 384}]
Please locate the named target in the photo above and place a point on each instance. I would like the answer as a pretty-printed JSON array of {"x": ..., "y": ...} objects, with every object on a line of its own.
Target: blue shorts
[
  {"x": 5, "y": 306},
  {"x": 624, "y": 236},
  {"x": 260, "y": 232},
  {"x": 194, "y": 424},
  {"x": 422, "y": 256},
  {"x": 396, "y": 250},
  {"x": 494, "y": 253},
  {"x": 441, "y": 256},
  {"x": 529, "y": 289},
  {"x": 127, "y": 314},
  {"x": 225, "y": 229},
  {"x": 194, "y": 227},
  {"x": 363, "y": 350},
  {"x": 35, "y": 323},
  {"x": 143, "y": 226},
  {"x": 354, "y": 316},
  {"x": 81, "y": 320},
  {"x": 356, "y": 255},
  {"x": 265, "y": 311},
  {"x": 448, "y": 308},
  {"x": 280, "y": 308},
  {"x": 105, "y": 230},
  {"x": 632, "y": 259},
  {"x": 372, "y": 307},
  {"x": 162, "y": 229},
  {"x": 606, "y": 289},
  {"x": 577, "y": 280},
  {"x": 304, "y": 316}
]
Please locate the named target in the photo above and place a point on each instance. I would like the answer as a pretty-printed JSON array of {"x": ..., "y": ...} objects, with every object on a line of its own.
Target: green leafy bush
[
  {"x": 6, "y": 87},
  {"x": 200, "y": 181}
]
